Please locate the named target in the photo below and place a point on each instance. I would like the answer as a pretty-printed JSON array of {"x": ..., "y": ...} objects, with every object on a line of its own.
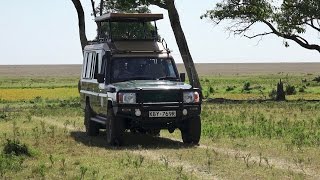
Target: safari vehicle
[{"x": 130, "y": 82}]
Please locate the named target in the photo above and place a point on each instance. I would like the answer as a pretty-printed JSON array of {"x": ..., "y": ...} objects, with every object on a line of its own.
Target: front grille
[{"x": 159, "y": 96}]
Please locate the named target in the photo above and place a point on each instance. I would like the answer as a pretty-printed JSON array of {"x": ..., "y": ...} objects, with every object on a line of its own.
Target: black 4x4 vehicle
[{"x": 133, "y": 84}]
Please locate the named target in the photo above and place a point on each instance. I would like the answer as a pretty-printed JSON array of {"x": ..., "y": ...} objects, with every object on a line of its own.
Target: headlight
[
  {"x": 191, "y": 97},
  {"x": 127, "y": 98}
]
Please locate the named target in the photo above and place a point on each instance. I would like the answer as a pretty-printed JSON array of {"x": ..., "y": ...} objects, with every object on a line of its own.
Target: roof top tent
[{"x": 126, "y": 19}]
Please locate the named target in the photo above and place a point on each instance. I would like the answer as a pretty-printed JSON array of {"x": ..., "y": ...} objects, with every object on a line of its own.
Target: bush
[
  {"x": 273, "y": 94},
  {"x": 246, "y": 86},
  {"x": 290, "y": 90},
  {"x": 15, "y": 147},
  {"x": 211, "y": 90},
  {"x": 317, "y": 79},
  {"x": 301, "y": 89},
  {"x": 3, "y": 115},
  {"x": 230, "y": 88}
]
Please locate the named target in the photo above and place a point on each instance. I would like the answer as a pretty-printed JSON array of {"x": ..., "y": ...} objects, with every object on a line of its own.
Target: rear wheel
[
  {"x": 92, "y": 128},
  {"x": 191, "y": 132},
  {"x": 115, "y": 128}
]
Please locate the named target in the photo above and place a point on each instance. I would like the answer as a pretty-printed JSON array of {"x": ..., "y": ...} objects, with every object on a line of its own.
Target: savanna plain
[{"x": 245, "y": 133}]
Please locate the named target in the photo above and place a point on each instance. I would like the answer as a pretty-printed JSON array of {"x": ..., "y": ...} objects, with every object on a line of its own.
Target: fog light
[
  {"x": 184, "y": 112},
  {"x": 138, "y": 112}
]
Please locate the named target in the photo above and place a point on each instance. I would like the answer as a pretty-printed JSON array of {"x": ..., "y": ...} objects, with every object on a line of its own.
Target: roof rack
[{"x": 128, "y": 17}]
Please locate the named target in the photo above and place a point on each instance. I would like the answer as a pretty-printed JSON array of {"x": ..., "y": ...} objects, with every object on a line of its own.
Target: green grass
[
  {"x": 53, "y": 131},
  {"x": 260, "y": 86}
]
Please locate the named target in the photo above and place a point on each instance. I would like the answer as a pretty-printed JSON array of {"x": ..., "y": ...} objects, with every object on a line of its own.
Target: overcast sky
[{"x": 46, "y": 32}]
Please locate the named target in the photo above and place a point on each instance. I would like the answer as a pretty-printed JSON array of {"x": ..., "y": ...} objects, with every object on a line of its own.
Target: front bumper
[{"x": 146, "y": 122}]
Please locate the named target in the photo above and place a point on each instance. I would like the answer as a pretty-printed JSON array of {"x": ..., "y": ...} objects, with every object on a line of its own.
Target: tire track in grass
[
  {"x": 261, "y": 160},
  {"x": 174, "y": 163}
]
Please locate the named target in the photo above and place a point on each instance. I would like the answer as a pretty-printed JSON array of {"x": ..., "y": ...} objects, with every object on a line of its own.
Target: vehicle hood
[{"x": 150, "y": 84}]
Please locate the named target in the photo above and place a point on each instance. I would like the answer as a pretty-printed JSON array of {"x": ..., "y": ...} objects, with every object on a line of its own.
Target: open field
[
  {"x": 203, "y": 69},
  {"x": 255, "y": 139}
]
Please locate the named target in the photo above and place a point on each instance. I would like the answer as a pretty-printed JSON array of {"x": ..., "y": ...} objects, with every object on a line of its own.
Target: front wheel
[
  {"x": 115, "y": 129},
  {"x": 191, "y": 132},
  {"x": 92, "y": 128}
]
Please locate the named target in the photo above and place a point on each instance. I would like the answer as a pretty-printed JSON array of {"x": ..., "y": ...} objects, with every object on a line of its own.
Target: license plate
[{"x": 162, "y": 114}]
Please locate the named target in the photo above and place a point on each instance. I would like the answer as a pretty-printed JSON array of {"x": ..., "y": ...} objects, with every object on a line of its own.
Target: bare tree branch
[
  {"x": 257, "y": 35},
  {"x": 311, "y": 24},
  {"x": 301, "y": 41},
  {"x": 93, "y": 9}
]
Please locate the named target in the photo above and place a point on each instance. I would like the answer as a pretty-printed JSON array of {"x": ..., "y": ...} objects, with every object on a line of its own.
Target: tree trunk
[
  {"x": 182, "y": 44},
  {"x": 82, "y": 25}
]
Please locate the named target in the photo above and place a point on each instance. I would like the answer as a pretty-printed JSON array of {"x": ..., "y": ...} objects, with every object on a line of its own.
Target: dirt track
[{"x": 203, "y": 69}]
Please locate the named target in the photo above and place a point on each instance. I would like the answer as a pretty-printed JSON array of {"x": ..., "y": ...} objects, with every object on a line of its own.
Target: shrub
[
  {"x": 290, "y": 90},
  {"x": 273, "y": 94},
  {"x": 246, "y": 86},
  {"x": 15, "y": 147},
  {"x": 211, "y": 90},
  {"x": 301, "y": 89},
  {"x": 317, "y": 79},
  {"x": 3, "y": 115},
  {"x": 230, "y": 88}
]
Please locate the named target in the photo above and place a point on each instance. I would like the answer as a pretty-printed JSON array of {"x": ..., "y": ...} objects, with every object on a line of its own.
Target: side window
[
  {"x": 97, "y": 66},
  {"x": 89, "y": 65},
  {"x": 93, "y": 62},
  {"x": 85, "y": 62}
]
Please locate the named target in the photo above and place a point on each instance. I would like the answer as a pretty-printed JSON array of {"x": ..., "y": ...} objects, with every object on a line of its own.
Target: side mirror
[
  {"x": 183, "y": 77},
  {"x": 100, "y": 78}
]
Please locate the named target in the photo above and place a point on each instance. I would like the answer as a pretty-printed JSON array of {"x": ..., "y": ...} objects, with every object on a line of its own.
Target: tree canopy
[{"x": 288, "y": 19}]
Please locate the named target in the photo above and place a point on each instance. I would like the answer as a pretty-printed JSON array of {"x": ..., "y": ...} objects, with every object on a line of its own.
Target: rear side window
[
  {"x": 97, "y": 66},
  {"x": 85, "y": 62}
]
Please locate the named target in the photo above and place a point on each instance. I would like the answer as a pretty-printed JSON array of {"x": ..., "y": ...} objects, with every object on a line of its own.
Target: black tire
[
  {"x": 92, "y": 128},
  {"x": 115, "y": 128},
  {"x": 191, "y": 132}
]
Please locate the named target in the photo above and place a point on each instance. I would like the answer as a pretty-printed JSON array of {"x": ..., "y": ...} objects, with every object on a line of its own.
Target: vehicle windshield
[{"x": 124, "y": 69}]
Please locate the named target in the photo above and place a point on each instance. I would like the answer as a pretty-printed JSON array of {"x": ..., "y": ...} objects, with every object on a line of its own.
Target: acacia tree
[{"x": 288, "y": 19}]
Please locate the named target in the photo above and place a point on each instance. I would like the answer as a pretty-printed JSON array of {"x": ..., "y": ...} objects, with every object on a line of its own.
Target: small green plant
[
  {"x": 3, "y": 115},
  {"x": 230, "y": 88},
  {"x": 83, "y": 171},
  {"x": 40, "y": 170},
  {"x": 138, "y": 162},
  {"x": 273, "y": 94},
  {"x": 246, "y": 86},
  {"x": 317, "y": 79},
  {"x": 211, "y": 90},
  {"x": 290, "y": 90},
  {"x": 36, "y": 135},
  {"x": 301, "y": 89},
  {"x": 165, "y": 161},
  {"x": 15, "y": 147}
]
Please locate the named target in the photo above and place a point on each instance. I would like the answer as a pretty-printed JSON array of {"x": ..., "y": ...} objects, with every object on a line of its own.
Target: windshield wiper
[
  {"x": 140, "y": 78},
  {"x": 167, "y": 78}
]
